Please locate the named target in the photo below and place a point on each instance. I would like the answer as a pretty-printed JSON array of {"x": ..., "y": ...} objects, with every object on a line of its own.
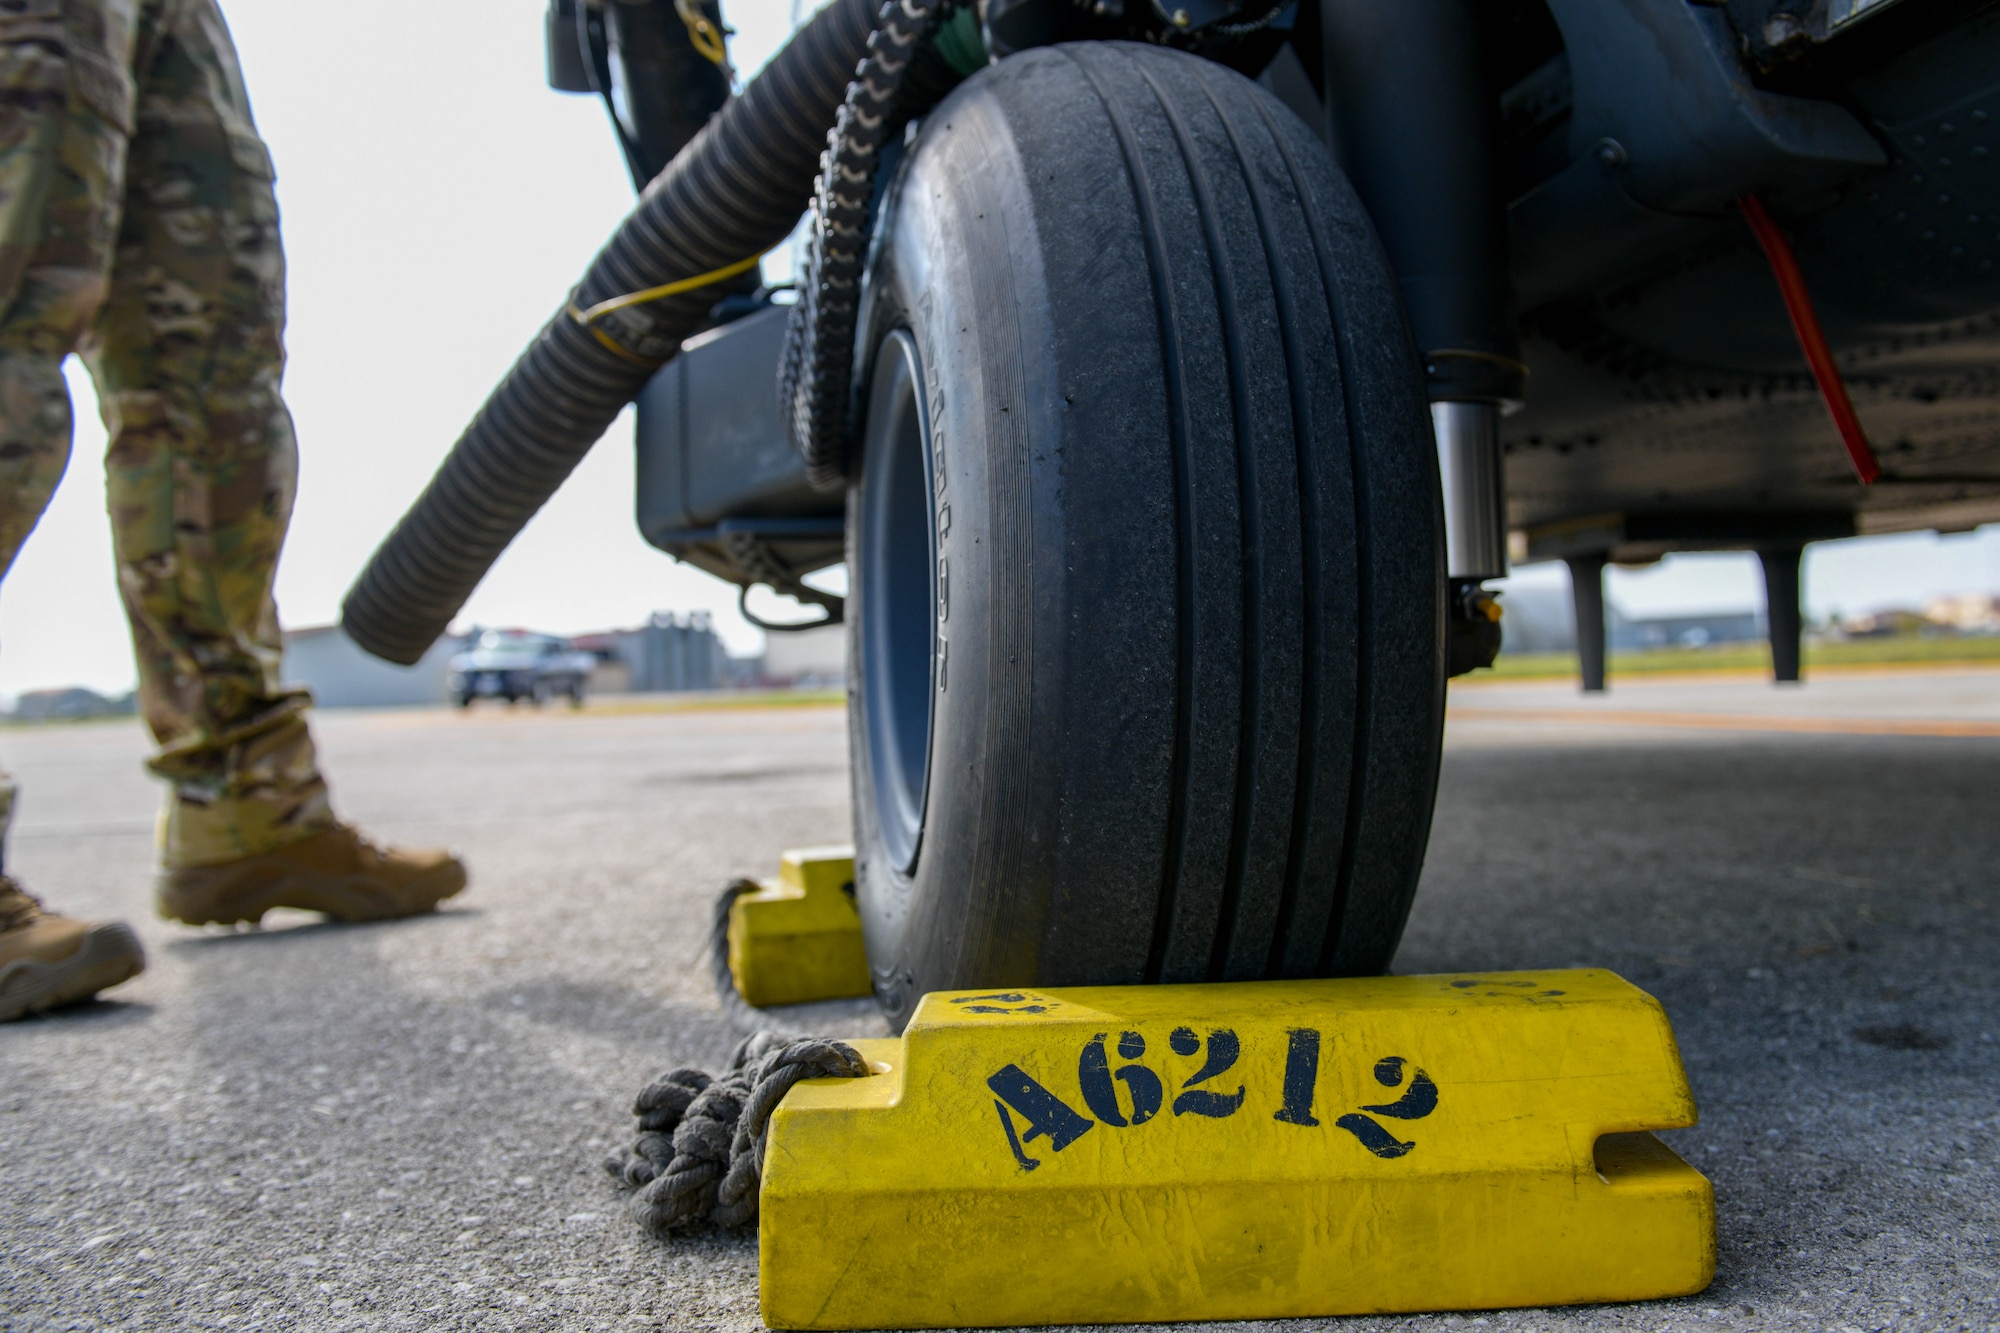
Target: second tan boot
[
  {"x": 337, "y": 872},
  {"x": 47, "y": 961}
]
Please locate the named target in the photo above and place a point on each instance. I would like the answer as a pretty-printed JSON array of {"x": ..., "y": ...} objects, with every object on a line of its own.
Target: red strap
[{"x": 1798, "y": 304}]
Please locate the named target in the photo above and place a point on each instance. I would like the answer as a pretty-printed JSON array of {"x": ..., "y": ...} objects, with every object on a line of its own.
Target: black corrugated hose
[{"x": 735, "y": 191}]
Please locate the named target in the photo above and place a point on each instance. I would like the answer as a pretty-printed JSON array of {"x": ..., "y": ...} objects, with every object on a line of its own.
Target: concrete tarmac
[{"x": 398, "y": 1126}]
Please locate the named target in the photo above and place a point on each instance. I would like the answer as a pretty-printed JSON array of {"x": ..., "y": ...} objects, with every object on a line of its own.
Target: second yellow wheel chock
[
  {"x": 798, "y": 938},
  {"x": 1241, "y": 1151}
]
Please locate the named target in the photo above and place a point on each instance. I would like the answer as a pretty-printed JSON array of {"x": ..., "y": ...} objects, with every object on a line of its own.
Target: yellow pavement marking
[{"x": 1821, "y": 726}]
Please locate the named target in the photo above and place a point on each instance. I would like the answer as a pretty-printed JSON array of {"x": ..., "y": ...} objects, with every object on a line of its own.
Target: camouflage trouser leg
[
  {"x": 55, "y": 252},
  {"x": 181, "y": 322},
  {"x": 56, "y": 160}
]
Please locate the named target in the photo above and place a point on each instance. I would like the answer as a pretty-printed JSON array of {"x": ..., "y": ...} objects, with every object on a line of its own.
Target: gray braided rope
[
  {"x": 699, "y": 1153},
  {"x": 743, "y": 1016}
]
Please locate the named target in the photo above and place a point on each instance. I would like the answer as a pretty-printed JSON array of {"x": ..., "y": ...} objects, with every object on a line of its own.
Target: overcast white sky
[{"x": 438, "y": 202}]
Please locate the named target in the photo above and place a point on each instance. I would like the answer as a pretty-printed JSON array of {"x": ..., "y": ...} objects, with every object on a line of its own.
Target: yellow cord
[
  {"x": 703, "y": 34},
  {"x": 603, "y": 308},
  {"x": 612, "y": 345}
]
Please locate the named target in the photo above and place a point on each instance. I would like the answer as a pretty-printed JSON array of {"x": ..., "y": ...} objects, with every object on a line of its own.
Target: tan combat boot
[
  {"x": 50, "y": 960},
  {"x": 337, "y": 872}
]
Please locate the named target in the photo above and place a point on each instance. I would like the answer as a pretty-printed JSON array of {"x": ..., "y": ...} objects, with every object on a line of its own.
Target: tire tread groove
[
  {"x": 1249, "y": 547},
  {"x": 1152, "y": 231},
  {"x": 1312, "y": 628}
]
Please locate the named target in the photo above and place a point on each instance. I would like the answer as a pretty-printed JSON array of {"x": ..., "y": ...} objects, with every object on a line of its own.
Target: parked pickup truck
[{"x": 514, "y": 664}]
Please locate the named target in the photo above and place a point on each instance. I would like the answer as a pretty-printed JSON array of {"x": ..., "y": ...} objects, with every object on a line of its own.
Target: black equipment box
[{"x": 717, "y": 477}]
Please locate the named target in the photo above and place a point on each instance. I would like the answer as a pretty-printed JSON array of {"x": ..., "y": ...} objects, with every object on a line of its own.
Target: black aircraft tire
[{"x": 1146, "y": 641}]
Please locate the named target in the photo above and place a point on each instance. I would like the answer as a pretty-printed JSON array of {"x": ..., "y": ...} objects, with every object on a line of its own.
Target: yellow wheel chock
[
  {"x": 1243, "y": 1151},
  {"x": 799, "y": 938}
]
